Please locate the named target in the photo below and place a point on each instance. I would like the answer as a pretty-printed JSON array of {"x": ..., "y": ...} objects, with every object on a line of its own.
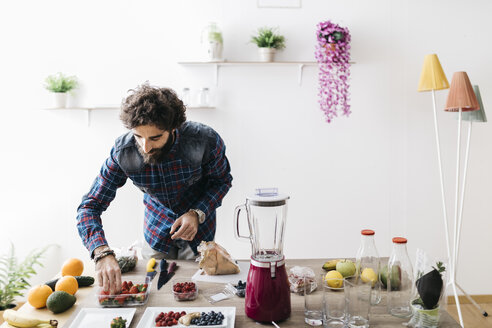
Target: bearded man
[{"x": 181, "y": 168}]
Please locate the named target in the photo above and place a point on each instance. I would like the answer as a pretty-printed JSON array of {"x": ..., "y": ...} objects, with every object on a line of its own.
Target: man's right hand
[{"x": 109, "y": 274}]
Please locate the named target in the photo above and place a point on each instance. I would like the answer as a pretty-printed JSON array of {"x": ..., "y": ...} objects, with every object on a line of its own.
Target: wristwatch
[{"x": 200, "y": 214}]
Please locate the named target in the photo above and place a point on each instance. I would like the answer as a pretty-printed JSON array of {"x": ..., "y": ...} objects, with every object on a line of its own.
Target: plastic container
[
  {"x": 368, "y": 265},
  {"x": 125, "y": 299},
  {"x": 398, "y": 276},
  {"x": 184, "y": 289}
]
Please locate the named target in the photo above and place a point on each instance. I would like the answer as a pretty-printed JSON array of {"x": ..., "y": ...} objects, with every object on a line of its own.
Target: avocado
[{"x": 60, "y": 301}]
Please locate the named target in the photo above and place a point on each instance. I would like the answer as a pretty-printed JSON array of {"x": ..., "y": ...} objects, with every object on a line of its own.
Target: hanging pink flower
[{"x": 333, "y": 56}]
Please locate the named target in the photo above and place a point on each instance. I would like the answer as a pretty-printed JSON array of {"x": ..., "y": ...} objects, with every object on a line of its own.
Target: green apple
[
  {"x": 395, "y": 277},
  {"x": 346, "y": 268}
]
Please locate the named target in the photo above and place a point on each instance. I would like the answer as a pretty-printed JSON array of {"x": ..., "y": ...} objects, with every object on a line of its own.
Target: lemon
[
  {"x": 334, "y": 279},
  {"x": 368, "y": 275}
]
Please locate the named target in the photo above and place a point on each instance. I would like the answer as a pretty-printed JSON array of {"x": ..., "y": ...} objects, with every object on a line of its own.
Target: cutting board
[{"x": 224, "y": 279}]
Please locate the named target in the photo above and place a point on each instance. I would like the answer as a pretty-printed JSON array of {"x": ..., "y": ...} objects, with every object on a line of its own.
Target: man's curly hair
[{"x": 148, "y": 105}]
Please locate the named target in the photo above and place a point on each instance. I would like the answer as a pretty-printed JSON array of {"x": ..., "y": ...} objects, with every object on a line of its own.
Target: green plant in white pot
[
  {"x": 213, "y": 42},
  {"x": 60, "y": 84},
  {"x": 268, "y": 42}
]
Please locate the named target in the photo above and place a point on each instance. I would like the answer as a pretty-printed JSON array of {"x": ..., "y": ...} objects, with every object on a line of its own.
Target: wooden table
[{"x": 164, "y": 298}]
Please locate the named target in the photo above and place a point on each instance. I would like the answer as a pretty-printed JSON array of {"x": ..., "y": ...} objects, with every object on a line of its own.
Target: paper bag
[{"x": 215, "y": 260}]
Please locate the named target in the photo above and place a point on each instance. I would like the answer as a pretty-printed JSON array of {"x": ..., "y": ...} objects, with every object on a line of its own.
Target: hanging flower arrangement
[{"x": 333, "y": 56}]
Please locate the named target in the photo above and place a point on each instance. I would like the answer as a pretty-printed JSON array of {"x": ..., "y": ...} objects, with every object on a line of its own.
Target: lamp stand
[
  {"x": 460, "y": 219},
  {"x": 443, "y": 198}
]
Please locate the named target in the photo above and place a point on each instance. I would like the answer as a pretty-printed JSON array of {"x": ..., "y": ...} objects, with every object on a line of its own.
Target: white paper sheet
[{"x": 224, "y": 279}]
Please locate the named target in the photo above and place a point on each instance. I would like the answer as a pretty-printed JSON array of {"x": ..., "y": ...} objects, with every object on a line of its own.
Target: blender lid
[{"x": 267, "y": 197}]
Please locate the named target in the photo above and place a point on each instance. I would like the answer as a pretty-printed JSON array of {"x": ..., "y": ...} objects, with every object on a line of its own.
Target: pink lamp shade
[{"x": 461, "y": 94}]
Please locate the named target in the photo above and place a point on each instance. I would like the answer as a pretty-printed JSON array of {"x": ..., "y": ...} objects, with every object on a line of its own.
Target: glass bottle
[
  {"x": 204, "y": 97},
  {"x": 185, "y": 96},
  {"x": 398, "y": 276},
  {"x": 368, "y": 264}
]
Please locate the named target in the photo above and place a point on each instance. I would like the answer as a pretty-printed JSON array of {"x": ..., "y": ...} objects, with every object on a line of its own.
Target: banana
[
  {"x": 21, "y": 320},
  {"x": 330, "y": 265}
]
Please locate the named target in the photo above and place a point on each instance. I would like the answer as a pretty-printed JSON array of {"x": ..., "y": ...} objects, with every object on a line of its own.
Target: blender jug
[
  {"x": 267, "y": 296},
  {"x": 267, "y": 214}
]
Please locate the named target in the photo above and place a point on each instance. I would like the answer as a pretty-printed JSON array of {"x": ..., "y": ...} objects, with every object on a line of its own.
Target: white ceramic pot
[
  {"x": 60, "y": 99},
  {"x": 215, "y": 51},
  {"x": 266, "y": 54}
]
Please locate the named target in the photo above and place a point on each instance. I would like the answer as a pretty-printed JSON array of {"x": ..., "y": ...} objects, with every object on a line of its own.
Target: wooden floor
[{"x": 472, "y": 318}]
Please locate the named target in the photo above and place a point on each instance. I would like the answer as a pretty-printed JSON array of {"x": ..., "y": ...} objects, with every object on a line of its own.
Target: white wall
[{"x": 376, "y": 169}]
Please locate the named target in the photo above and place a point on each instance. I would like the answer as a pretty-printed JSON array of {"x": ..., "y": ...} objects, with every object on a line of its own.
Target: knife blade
[{"x": 165, "y": 276}]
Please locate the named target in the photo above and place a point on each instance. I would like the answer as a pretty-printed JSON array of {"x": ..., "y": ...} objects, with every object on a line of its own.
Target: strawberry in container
[{"x": 130, "y": 295}]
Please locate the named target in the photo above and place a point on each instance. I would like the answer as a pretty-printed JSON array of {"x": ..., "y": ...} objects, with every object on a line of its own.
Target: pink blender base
[{"x": 267, "y": 299}]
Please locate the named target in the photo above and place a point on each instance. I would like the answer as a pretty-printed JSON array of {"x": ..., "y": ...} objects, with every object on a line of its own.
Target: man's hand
[
  {"x": 108, "y": 274},
  {"x": 188, "y": 226}
]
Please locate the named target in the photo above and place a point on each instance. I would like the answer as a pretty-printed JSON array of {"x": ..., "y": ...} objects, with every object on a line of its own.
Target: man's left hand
[{"x": 188, "y": 226}]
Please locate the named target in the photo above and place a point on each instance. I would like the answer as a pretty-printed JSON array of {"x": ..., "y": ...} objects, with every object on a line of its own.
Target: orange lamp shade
[
  {"x": 461, "y": 94},
  {"x": 432, "y": 76}
]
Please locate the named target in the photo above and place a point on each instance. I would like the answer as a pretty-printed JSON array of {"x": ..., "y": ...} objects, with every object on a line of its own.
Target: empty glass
[
  {"x": 313, "y": 301},
  {"x": 358, "y": 298},
  {"x": 335, "y": 303}
]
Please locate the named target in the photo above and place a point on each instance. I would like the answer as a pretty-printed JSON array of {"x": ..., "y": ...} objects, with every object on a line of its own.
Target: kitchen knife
[
  {"x": 164, "y": 277},
  {"x": 151, "y": 273}
]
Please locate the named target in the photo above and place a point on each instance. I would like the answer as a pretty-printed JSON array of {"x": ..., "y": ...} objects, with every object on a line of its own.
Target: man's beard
[
  {"x": 157, "y": 155},
  {"x": 153, "y": 157}
]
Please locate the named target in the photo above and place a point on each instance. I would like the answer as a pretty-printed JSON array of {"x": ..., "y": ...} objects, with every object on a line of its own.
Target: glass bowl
[{"x": 184, "y": 289}]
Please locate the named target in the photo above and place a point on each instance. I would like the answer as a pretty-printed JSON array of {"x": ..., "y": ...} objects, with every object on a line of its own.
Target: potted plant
[
  {"x": 268, "y": 42},
  {"x": 213, "y": 42},
  {"x": 60, "y": 84},
  {"x": 14, "y": 275},
  {"x": 425, "y": 308},
  {"x": 333, "y": 56}
]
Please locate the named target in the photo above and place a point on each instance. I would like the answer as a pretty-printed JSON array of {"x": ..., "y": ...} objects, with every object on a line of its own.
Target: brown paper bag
[{"x": 215, "y": 260}]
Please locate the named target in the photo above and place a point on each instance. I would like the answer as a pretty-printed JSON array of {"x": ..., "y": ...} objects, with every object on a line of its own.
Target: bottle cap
[
  {"x": 367, "y": 232},
  {"x": 399, "y": 240}
]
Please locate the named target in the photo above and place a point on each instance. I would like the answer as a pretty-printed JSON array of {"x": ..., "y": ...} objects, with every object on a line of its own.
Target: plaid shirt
[{"x": 194, "y": 175}]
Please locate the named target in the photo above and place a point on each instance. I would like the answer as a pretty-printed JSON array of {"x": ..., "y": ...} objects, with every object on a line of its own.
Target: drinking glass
[
  {"x": 358, "y": 298},
  {"x": 313, "y": 301},
  {"x": 335, "y": 303}
]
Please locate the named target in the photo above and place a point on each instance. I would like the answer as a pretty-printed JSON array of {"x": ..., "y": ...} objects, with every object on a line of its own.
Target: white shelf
[
  {"x": 88, "y": 109},
  {"x": 217, "y": 64},
  {"x": 200, "y": 107}
]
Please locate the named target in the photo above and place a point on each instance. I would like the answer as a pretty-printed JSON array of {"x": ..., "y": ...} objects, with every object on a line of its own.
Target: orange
[
  {"x": 38, "y": 295},
  {"x": 67, "y": 284},
  {"x": 72, "y": 267}
]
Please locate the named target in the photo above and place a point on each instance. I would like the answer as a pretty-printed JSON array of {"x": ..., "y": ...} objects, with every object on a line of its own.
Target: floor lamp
[
  {"x": 461, "y": 98},
  {"x": 433, "y": 78},
  {"x": 476, "y": 116}
]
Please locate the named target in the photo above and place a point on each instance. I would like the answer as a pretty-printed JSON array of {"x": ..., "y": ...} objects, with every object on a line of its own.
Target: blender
[{"x": 267, "y": 296}]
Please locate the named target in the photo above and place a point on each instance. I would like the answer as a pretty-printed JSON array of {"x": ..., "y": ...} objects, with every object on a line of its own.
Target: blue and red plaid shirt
[{"x": 195, "y": 174}]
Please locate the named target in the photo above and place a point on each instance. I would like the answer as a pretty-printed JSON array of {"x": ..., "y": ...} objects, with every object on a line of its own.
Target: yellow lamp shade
[
  {"x": 461, "y": 94},
  {"x": 432, "y": 76}
]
